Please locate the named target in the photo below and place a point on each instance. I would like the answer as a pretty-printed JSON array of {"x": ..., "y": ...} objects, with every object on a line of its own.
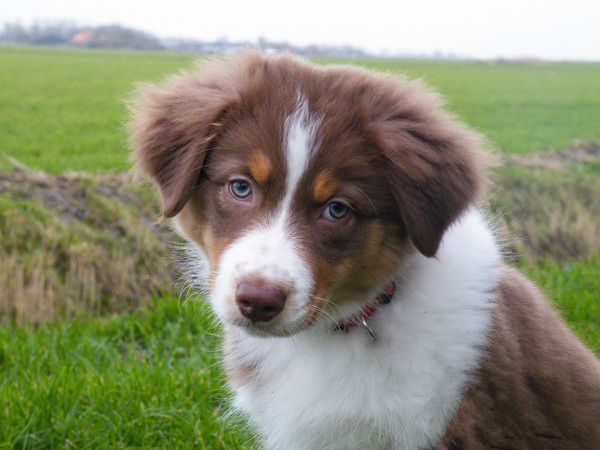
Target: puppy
[{"x": 331, "y": 214}]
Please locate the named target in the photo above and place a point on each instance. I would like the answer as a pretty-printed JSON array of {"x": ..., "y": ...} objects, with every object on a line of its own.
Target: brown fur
[
  {"x": 538, "y": 386},
  {"x": 400, "y": 126},
  {"x": 410, "y": 170}
]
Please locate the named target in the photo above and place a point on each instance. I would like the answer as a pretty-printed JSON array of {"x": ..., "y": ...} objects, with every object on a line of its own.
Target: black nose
[{"x": 259, "y": 303}]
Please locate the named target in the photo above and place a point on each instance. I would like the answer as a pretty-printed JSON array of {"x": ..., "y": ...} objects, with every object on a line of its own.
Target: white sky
[{"x": 547, "y": 29}]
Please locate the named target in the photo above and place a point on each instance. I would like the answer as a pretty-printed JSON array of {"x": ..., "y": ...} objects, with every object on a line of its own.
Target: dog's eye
[
  {"x": 240, "y": 189},
  {"x": 335, "y": 211}
]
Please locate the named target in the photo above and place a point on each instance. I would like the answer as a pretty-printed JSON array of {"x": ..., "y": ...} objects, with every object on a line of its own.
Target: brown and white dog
[{"x": 331, "y": 218}]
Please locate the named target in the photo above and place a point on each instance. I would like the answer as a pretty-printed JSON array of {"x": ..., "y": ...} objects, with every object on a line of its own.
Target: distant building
[{"x": 82, "y": 37}]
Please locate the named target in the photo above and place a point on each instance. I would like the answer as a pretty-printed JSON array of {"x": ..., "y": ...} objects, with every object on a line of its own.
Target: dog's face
[
  {"x": 295, "y": 222},
  {"x": 303, "y": 188}
]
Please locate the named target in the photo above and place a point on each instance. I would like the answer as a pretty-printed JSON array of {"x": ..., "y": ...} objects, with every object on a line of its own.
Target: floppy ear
[
  {"x": 172, "y": 128},
  {"x": 435, "y": 167}
]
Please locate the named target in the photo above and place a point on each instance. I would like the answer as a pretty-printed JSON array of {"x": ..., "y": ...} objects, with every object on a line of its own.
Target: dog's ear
[
  {"x": 434, "y": 165},
  {"x": 173, "y": 126}
]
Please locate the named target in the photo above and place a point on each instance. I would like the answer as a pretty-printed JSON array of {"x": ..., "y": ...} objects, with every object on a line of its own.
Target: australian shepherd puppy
[{"x": 331, "y": 212}]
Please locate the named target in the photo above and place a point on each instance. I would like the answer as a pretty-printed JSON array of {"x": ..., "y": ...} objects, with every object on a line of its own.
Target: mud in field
[{"x": 78, "y": 243}]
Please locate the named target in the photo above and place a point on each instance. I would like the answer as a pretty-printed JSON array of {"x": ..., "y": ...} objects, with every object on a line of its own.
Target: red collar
[{"x": 361, "y": 318}]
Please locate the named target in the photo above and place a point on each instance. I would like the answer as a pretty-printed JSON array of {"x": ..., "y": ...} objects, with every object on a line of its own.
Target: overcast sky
[{"x": 470, "y": 28}]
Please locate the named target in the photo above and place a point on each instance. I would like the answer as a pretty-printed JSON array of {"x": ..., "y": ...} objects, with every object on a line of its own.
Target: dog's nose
[{"x": 259, "y": 303}]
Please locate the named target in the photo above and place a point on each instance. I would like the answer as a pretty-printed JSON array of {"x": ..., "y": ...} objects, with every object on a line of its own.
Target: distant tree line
[
  {"x": 64, "y": 33},
  {"x": 119, "y": 37}
]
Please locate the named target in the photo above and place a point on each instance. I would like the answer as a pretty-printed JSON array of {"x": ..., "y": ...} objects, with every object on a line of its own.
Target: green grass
[
  {"x": 575, "y": 288},
  {"x": 149, "y": 379},
  {"x": 64, "y": 110},
  {"x": 521, "y": 108}
]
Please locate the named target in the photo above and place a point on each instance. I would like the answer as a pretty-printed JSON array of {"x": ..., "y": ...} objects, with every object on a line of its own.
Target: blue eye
[
  {"x": 240, "y": 189},
  {"x": 335, "y": 211}
]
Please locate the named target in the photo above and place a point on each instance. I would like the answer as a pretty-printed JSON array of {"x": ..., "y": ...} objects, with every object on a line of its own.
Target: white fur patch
[
  {"x": 270, "y": 252},
  {"x": 299, "y": 145},
  {"x": 321, "y": 389}
]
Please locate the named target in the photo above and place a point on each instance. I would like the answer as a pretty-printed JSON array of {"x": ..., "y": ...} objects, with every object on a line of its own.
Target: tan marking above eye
[
  {"x": 260, "y": 167},
  {"x": 325, "y": 186}
]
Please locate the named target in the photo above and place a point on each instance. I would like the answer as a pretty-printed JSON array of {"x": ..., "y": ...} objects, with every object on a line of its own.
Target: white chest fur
[{"x": 322, "y": 389}]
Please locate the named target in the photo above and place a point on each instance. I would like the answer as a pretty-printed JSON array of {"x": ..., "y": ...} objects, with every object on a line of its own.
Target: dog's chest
[{"x": 346, "y": 391}]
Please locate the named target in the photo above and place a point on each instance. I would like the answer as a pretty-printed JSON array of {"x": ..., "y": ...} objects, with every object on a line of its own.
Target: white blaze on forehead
[
  {"x": 270, "y": 251},
  {"x": 299, "y": 144}
]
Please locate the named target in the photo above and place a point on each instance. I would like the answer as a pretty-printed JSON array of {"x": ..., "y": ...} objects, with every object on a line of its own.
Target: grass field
[
  {"x": 148, "y": 379},
  {"x": 64, "y": 110},
  {"x": 100, "y": 354}
]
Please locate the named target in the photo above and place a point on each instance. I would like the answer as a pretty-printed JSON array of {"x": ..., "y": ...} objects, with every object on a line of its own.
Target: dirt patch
[
  {"x": 549, "y": 203},
  {"x": 78, "y": 243},
  {"x": 581, "y": 152}
]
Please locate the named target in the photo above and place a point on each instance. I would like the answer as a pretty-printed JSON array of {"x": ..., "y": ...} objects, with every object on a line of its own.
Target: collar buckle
[{"x": 363, "y": 323}]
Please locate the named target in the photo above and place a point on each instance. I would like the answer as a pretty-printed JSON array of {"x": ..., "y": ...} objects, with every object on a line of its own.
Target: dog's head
[{"x": 303, "y": 187}]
